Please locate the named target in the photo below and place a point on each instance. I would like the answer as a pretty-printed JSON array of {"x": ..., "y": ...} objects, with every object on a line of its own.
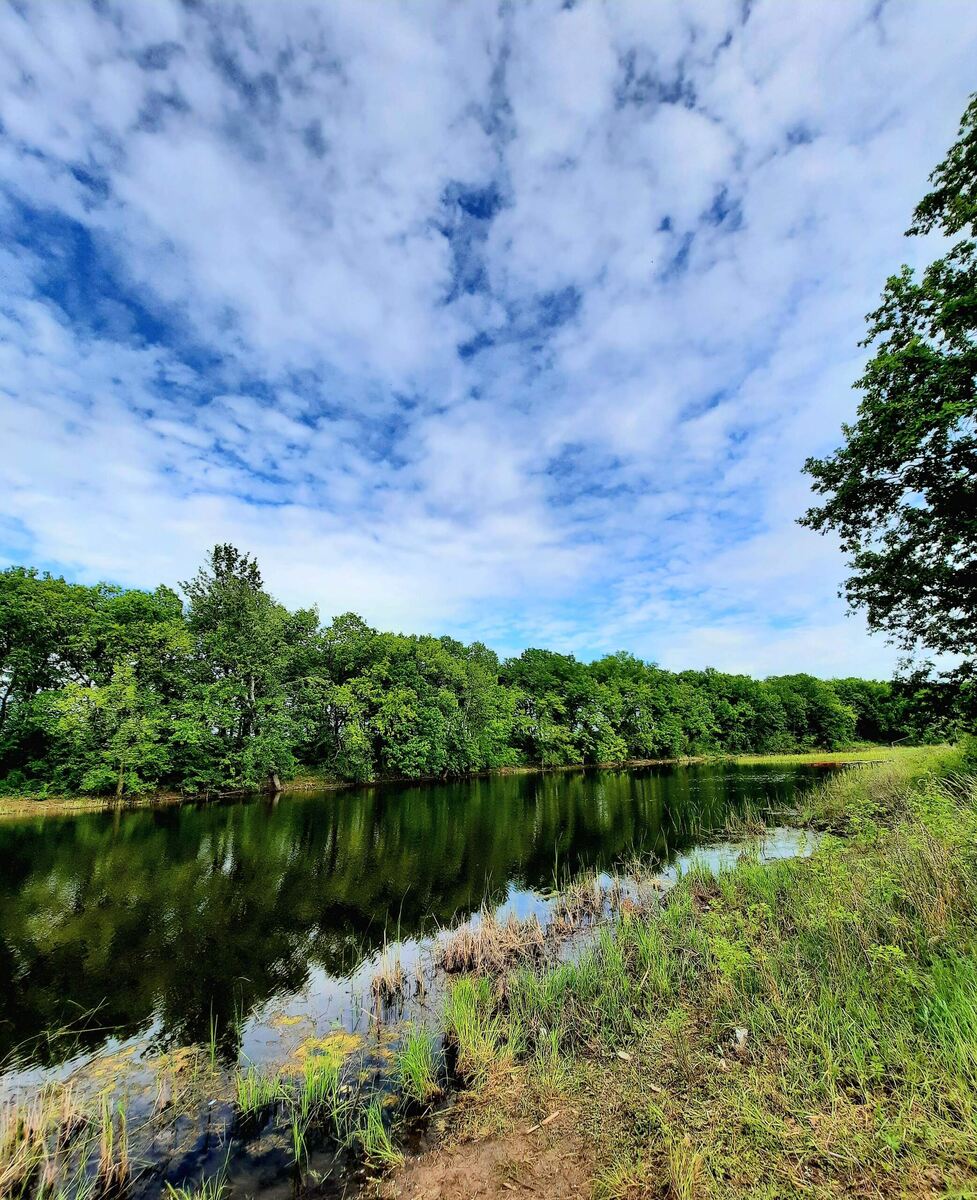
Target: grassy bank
[{"x": 799, "y": 1028}]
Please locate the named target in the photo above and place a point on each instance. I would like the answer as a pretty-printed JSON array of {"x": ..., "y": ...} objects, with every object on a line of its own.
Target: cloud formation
[{"x": 514, "y": 322}]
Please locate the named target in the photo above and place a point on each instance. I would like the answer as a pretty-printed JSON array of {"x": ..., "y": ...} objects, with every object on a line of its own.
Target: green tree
[
  {"x": 235, "y": 726},
  {"x": 117, "y": 733},
  {"x": 901, "y": 493}
]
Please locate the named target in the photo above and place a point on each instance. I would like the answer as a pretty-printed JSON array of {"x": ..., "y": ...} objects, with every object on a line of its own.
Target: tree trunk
[{"x": 274, "y": 783}]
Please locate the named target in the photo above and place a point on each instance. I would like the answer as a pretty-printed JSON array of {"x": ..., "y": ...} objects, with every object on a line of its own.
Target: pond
[{"x": 251, "y": 924}]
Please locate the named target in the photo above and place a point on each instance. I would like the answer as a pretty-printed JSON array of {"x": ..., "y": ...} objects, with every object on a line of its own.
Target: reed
[
  {"x": 375, "y": 1140},
  {"x": 113, "y": 1147},
  {"x": 254, "y": 1091},
  {"x": 417, "y": 1066},
  {"x": 489, "y": 946},
  {"x": 389, "y": 979}
]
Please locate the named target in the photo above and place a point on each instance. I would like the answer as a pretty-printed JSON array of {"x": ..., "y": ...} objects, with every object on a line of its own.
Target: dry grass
[
  {"x": 49, "y": 1141},
  {"x": 389, "y": 980},
  {"x": 491, "y": 947}
]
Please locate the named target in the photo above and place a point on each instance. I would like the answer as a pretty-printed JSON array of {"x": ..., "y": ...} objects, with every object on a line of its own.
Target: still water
[{"x": 157, "y": 928}]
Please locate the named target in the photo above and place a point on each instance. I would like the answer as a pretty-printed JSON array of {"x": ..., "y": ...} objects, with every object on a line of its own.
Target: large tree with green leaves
[{"x": 901, "y": 493}]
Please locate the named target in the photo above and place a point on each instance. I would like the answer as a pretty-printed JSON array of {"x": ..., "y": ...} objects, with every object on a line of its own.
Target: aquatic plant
[
  {"x": 320, "y": 1091},
  {"x": 374, "y": 1137},
  {"x": 490, "y": 946},
  {"x": 213, "y": 1188},
  {"x": 417, "y": 1065},
  {"x": 113, "y": 1146},
  {"x": 388, "y": 980},
  {"x": 297, "y": 1127},
  {"x": 254, "y": 1090}
]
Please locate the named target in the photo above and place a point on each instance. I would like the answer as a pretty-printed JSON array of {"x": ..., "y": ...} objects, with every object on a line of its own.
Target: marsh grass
[
  {"x": 374, "y": 1137},
  {"x": 774, "y": 1023},
  {"x": 255, "y": 1091},
  {"x": 24, "y": 1131},
  {"x": 417, "y": 1066},
  {"x": 214, "y": 1188},
  {"x": 474, "y": 1028},
  {"x": 113, "y": 1147},
  {"x": 490, "y": 946},
  {"x": 389, "y": 980},
  {"x": 319, "y": 1090}
]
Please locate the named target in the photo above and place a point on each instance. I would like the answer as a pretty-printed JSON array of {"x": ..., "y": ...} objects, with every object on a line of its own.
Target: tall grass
[
  {"x": 417, "y": 1066},
  {"x": 474, "y": 1028},
  {"x": 816, "y": 1010},
  {"x": 374, "y": 1138}
]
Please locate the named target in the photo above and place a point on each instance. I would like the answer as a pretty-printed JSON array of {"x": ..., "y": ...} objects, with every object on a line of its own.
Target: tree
[
  {"x": 901, "y": 493},
  {"x": 236, "y": 722},
  {"x": 116, "y": 731}
]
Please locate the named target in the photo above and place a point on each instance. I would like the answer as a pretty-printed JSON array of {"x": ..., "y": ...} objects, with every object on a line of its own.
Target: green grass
[
  {"x": 374, "y": 1138},
  {"x": 320, "y": 1096},
  {"x": 471, "y": 1024},
  {"x": 805, "y": 1027},
  {"x": 254, "y": 1091},
  {"x": 417, "y": 1066},
  {"x": 869, "y": 754},
  {"x": 214, "y": 1188}
]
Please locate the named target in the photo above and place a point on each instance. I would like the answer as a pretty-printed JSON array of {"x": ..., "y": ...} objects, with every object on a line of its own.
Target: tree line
[{"x": 107, "y": 690}]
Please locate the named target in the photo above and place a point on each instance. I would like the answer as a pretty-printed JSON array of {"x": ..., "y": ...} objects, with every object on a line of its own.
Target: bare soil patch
[{"x": 552, "y": 1161}]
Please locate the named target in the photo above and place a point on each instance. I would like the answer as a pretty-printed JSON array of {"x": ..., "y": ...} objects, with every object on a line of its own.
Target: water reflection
[{"x": 177, "y": 917}]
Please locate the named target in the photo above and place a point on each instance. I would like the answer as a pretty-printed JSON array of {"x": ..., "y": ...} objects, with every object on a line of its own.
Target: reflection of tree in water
[{"x": 192, "y": 911}]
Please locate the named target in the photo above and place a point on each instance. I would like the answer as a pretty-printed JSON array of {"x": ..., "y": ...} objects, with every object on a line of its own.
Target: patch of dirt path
[{"x": 553, "y": 1162}]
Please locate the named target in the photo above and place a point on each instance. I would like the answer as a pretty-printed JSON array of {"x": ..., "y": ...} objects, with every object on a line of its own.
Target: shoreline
[
  {"x": 15, "y": 807},
  {"x": 727, "y": 1043},
  {"x": 688, "y": 1001}
]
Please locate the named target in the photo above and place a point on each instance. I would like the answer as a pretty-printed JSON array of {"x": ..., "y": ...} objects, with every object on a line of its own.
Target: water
[{"x": 260, "y": 921}]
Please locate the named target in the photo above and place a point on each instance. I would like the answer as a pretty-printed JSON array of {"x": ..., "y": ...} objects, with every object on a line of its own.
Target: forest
[{"x": 107, "y": 690}]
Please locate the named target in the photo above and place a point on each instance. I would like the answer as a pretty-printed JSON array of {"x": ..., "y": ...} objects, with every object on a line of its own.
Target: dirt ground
[{"x": 550, "y": 1161}]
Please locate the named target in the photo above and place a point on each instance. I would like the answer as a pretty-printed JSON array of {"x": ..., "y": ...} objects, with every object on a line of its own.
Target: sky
[{"x": 515, "y": 322}]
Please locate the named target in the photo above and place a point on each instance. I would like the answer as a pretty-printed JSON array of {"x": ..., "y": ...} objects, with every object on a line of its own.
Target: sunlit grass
[
  {"x": 417, "y": 1066},
  {"x": 214, "y": 1188},
  {"x": 255, "y": 1090},
  {"x": 773, "y": 1014},
  {"x": 476, "y": 1030},
  {"x": 374, "y": 1138}
]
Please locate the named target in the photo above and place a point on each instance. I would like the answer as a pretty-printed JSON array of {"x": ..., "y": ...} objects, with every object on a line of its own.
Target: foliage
[
  {"x": 902, "y": 491},
  {"x": 106, "y": 690}
]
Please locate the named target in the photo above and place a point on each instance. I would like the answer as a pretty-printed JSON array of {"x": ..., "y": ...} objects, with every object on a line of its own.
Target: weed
[
  {"x": 417, "y": 1066},
  {"x": 375, "y": 1140},
  {"x": 255, "y": 1091}
]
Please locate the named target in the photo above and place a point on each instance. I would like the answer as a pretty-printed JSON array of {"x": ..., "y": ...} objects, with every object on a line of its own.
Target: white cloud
[{"x": 244, "y": 244}]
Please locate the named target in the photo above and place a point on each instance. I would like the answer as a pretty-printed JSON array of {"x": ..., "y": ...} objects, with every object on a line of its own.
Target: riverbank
[
  {"x": 37, "y": 806},
  {"x": 798, "y": 1028},
  {"x": 529, "y": 1038}
]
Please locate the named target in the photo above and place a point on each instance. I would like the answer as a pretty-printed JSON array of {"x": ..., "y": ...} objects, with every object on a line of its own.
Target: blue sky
[{"x": 515, "y": 322}]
